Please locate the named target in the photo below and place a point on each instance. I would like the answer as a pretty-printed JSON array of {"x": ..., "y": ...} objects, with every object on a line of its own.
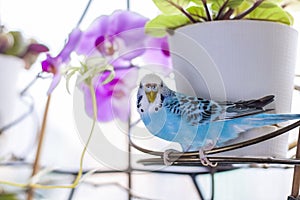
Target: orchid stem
[
  {"x": 36, "y": 164},
  {"x": 80, "y": 171},
  {"x": 94, "y": 102}
]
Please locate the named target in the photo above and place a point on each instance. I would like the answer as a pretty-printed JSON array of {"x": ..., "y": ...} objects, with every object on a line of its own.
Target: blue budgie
[{"x": 199, "y": 124}]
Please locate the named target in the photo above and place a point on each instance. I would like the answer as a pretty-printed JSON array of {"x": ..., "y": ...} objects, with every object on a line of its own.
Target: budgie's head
[
  {"x": 151, "y": 84},
  {"x": 150, "y": 93}
]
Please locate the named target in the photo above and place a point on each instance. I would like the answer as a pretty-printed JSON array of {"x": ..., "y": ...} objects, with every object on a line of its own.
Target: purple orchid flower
[
  {"x": 119, "y": 38},
  {"x": 53, "y": 64},
  {"x": 157, "y": 56}
]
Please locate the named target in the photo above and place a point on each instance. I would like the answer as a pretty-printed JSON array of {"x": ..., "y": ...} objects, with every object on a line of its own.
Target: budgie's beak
[{"x": 151, "y": 96}]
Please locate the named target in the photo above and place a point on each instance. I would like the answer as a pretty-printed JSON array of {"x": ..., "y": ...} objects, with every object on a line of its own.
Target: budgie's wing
[
  {"x": 242, "y": 116},
  {"x": 199, "y": 111},
  {"x": 195, "y": 111},
  {"x": 245, "y": 108}
]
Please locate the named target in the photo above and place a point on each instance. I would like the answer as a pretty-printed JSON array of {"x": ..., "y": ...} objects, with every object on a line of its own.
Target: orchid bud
[
  {"x": 19, "y": 45},
  {"x": 6, "y": 41}
]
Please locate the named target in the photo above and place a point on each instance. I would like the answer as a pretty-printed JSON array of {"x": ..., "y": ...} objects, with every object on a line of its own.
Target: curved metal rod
[
  {"x": 221, "y": 159},
  {"x": 255, "y": 140},
  {"x": 225, "y": 148}
]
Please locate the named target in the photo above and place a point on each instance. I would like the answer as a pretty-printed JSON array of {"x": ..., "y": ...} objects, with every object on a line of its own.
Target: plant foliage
[{"x": 178, "y": 13}]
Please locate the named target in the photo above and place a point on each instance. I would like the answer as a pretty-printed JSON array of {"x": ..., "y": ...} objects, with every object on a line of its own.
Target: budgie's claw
[
  {"x": 204, "y": 160},
  {"x": 166, "y": 156}
]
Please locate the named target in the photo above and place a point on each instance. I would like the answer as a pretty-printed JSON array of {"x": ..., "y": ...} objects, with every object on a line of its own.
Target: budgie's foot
[
  {"x": 203, "y": 159},
  {"x": 166, "y": 156}
]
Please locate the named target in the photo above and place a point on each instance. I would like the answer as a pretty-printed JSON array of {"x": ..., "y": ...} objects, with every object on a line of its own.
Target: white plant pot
[
  {"x": 10, "y": 67},
  {"x": 238, "y": 60}
]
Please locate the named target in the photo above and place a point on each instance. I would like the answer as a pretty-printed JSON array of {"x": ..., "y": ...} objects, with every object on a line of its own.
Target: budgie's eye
[
  {"x": 154, "y": 88},
  {"x": 147, "y": 88}
]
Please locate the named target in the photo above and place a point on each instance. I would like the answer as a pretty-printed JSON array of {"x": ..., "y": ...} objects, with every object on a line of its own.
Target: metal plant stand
[{"x": 192, "y": 158}]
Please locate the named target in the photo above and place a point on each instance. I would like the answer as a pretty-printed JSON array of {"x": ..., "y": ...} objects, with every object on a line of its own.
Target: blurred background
[{"x": 50, "y": 22}]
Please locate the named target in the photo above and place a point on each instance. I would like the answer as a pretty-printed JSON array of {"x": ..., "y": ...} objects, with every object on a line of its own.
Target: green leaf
[
  {"x": 216, "y": 5},
  {"x": 270, "y": 11},
  {"x": 291, "y": 17},
  {"x": 234, "y": 3},
  {"x": 275, "y": 1},
  {"x": 197, "y": 2},
  {"x": 8, "y": 197},
  {"x": 241, "y": 8},
  {"x": 268, "y": 4},
  {"x": 158, "y": 26},
  {"x": 197, "y": 12},
  {"x": 171, "y": 6}
]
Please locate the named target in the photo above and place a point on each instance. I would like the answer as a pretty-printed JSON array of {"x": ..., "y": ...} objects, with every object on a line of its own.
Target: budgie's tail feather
[
  {"x": 269, "y": 119},
  {"x": 234, "y": 127},
  {"x": 259, "y": 103},
  {"x": 250, "y": 107}
]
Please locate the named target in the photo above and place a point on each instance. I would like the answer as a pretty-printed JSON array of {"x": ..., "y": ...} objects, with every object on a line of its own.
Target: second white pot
[{"x": 10, "y": 67}]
